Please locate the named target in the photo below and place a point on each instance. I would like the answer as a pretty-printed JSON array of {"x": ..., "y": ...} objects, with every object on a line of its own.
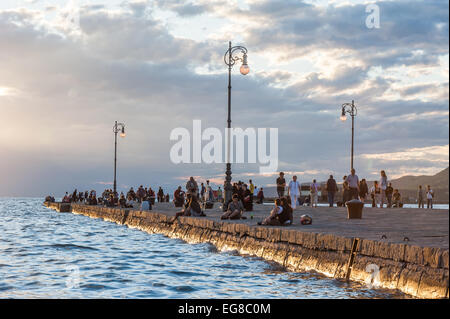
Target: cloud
[{"x": 61, "y": 92}]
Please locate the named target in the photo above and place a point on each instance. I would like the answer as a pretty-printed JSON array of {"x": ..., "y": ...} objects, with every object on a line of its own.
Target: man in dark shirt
[
  {"x": 331, "y": 189},
  {"x": 389, "y": 190},
  {"x": 281, "y": 185}
]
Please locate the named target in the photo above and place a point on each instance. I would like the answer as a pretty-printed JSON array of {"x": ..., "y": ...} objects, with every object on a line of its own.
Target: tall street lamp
[
  {"x": 233, "y": 55},
  {"x": 350, "y": 108},
  {"x": 118, "y": 127}
]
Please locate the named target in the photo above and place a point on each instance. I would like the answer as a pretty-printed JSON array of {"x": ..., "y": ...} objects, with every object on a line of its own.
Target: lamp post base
[{"x": 228, "y": 188}]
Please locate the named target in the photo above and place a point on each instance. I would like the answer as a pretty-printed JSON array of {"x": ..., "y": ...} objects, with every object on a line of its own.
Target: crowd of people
[
  {"x": 382, "y": 194},
  {"x": 194, "y": 199}
]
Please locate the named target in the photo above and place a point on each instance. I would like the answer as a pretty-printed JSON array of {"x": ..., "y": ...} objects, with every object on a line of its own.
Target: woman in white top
[
  {"x": 383, "y": 186},
  {"x": 430, "y": 195},
  {"x": 294, "y": 191}
]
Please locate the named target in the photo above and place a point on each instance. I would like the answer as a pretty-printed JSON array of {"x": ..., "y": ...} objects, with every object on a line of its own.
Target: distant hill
[
  {"x": 407, "y": 186},
  {"x": 440, "y": 180},
  {"x": 439, "y": 183}
]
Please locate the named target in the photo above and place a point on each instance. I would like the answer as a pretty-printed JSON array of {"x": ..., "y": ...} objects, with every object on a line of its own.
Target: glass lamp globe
[
  {"x": 244, "y": 69},
  {"x": 343, "y": 118}
]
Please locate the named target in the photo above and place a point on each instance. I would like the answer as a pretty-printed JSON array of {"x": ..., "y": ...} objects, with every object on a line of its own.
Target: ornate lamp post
[
  {"x": 118, "y": 127},
  {"x": 233, "y": 55},
  {"x": 350, "y": 108}
]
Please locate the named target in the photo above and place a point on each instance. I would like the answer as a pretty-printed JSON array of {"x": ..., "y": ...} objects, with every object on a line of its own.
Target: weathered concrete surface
[{"x": 419, "y": 267}]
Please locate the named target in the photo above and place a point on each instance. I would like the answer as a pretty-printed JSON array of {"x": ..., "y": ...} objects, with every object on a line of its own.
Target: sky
[{"x": 69, "y": 69}]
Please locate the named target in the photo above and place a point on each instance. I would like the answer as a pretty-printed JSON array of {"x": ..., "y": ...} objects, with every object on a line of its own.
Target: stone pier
[{"x": 407, "y": 248}]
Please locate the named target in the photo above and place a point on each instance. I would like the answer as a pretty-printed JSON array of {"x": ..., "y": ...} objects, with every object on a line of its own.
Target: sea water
[{"x": 45, "y": 254}]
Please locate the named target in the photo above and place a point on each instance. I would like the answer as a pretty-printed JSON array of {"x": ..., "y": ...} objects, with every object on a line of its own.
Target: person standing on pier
[
  {"x": 246, "y": 198},
  {"x": 363, "y": 190},
  {"x": 420, "y": 197},
  {"x": 251, "y": 188},
  {"x": 430, "y": 195},
  {"x": 314, "y": 190},
  {"x": 219, "y": 195},
  {"x": 375, "y": 192},
  {"x": 383, "y": 186},
  {"x": 345, "y": 190},
  {"x": 151, "y": 195},
  {"x": 281, "y": 185},
  {"x": 331, "y": 190},
  {"x": 192, "y": 187},
  {"x": 202, "y": 191},
  {"x": 260, "y": 196},
  {"x": 140, "y": 193},
  {"x": 160, "y": 195},
  {"x": 353, "y": 185},
  {"x": 294, "y": 191},
  {"x": 389, "y": 192}
]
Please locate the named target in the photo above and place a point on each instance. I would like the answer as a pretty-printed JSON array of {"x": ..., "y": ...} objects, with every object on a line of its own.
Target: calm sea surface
[{"x": 44, "y": 254}]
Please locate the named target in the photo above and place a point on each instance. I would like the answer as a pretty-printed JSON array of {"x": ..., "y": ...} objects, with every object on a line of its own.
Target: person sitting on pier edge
[
  {"x": 145, "y": 205},
  {"x": 122, "y": 201},
  {"x": 66, "y": 198},
  {"x": 247, "y": 198},
  {"x": 396, "y": 199},
  {"x": 191, "y": 208},
  {"x": 109, "y": 202},
  {"x": 289, "y": 211},
  {"x": 93, "y": 200},
  {"x": 235, "y": 209},
  {"x": 130, "y": 201},
  {"x": 178, "y": 197},
  {"x": 278, "y": 216},
  {"x": 260, "y": 196},
  {"x": 74, "y": 196},
  {"x": 131, "y": 193}
]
